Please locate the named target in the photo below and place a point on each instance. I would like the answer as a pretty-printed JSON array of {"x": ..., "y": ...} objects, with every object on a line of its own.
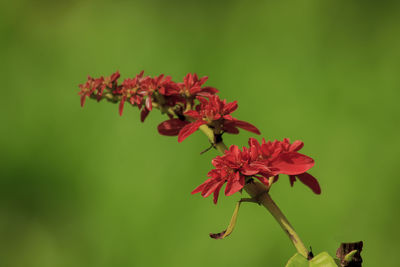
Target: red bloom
[
  {"x": 161, "y": 85},
  {"x": 96, "y": 86},
  {"x": 216, "y": 114},
  {"x": 88, "y": 88},
  {"x": 232, "y": 168},
  {"x": 131, "y": 91},
  {"x": 192, "y": 86},
  {"x": 284, "y": 156},
  {"x": 260, "y": 161}
]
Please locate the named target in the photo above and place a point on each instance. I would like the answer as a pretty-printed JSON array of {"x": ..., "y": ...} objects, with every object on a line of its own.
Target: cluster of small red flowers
[
  {"x": 260, "y": 161},
  {"x": 189, "y": 104}
]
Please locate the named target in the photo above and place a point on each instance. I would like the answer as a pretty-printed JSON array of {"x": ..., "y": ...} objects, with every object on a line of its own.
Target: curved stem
[{"x": 259, "y": 192}]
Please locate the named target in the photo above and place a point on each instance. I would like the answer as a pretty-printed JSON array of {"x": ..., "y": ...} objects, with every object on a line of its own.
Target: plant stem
[{"x": 259, "y": 192}]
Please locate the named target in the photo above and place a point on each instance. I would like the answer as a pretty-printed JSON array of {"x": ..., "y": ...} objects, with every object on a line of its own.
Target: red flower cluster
[
  {"x": 96, "y": 86},
  {"x": 176, "y": 99},
  {"x": 260, "y": 161}
]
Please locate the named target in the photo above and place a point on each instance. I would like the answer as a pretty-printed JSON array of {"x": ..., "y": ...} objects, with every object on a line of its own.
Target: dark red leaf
[{"x": 171, "y": 127}]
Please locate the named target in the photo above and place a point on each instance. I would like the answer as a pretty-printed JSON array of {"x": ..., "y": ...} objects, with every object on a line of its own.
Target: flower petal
[
  {"x": 83, "y": 98},
  {"x": 216, "y": 192},
  {"x": 230, "y": 107},
  {"x": 201, "y": 187},
  {"x": 310, "y": 181},
  {"x": 189, "y": 129},
  {"x": 143, "y": 114},
  {"x": 149, "y": 104},
  {"x": 171, "y": 127},
  {"x": 247, "y": 126},
  {"x": 296, "y": 146},
  {"x": 293, "y": 163},
  {"x": 121, "y": 105},
  {"x": 234, "y": 184},
  {"x": 193, "y": 114}
]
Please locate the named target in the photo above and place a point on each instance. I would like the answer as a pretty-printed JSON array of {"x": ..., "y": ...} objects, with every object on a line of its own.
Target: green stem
[{"x": 259, "y": 192}]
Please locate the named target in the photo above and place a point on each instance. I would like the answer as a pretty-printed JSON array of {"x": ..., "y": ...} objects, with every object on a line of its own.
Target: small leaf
[
  {"x": 323, "y": 260},
  {"x": 231, "y": 225},
  {"x": 349, "y": 256},
  {"x": 297, "y": 261}
]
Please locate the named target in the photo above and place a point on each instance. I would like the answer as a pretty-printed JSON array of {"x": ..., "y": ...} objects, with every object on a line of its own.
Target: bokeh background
[{"x": 86, "y": 187}]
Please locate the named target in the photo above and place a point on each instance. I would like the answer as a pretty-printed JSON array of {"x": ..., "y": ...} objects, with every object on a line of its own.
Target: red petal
[
  {"x": 149, "y": 104},
  {"x": 193, "y": 114},
  {"x": 246, "y": 126},
  {"x": 216, "y": 192},
  {"x": 296, "y": 146},
  {"x": 210, "y": 188},
  {"x": 248, "y": 171},
  {"x": 230, "y": 107},
  {"x": 234, "y": 185},
  {"x": 189, "y": 129},
  {"x": 263, "y": 180},
  {"x": 194, "y": 90},
  {"x": 121, "y": 105},
  {"x": 202, "y": 100},
  {"x": 210, "y": 90},
  {"x": 143, "y": 115},
  {"x": 83, "y": 98},
  {"x": 293, "y": 163},
  {"x": 200, "y": 187},
  {"x": 171, "y": 127},
  {"x": 228, "y": 117},
  {"x": 310, "y": 181}
]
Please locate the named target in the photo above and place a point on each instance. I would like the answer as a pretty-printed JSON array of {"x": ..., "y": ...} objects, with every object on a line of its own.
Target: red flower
[
  {"x": 161, "y": 85},
  {"x": 260, "y": 161},
  {"x": 216, "y": 114},
  {"x": 130, "y": 90},
  {"x": 232, "y": 168},
  {"x": 284, "y": 156},
  {"x": 191, "y": 86}
]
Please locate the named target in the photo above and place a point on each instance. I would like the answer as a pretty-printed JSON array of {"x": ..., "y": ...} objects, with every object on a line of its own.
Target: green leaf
[
  {"x": 297, "y": 261},
  {"x": 231, "y": 225},
  {"x": 321, "y": 260}
]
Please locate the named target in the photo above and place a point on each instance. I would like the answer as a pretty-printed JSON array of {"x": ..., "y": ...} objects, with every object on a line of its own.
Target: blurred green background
[{"x": 86, "y": 187}]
